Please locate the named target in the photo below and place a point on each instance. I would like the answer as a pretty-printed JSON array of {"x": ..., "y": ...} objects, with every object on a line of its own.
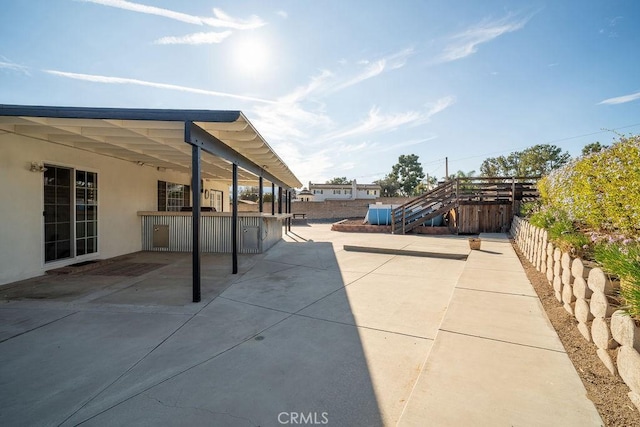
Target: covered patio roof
[{"x": 156, "y": 138}]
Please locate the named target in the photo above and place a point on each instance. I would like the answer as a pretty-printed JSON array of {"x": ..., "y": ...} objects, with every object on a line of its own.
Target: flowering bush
[{"x": 600, "y": 191}]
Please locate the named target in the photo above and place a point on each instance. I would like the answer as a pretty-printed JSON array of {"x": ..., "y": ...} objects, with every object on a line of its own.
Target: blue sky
[{"x": 344, "y": 87}]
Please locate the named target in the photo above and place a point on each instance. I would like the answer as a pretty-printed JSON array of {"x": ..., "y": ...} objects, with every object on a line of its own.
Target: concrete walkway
[
  {"x": 497, "y": 359},
  {"x": 306, "y": 333}
]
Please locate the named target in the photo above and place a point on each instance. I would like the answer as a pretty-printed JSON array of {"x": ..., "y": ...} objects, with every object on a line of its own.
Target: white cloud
[
  {"x": 621, "y": 99},
  {"x": 370, "y": 71},
  {"x": 150, "y": 10},
  {"x": 314, "y": 85},
  {"x": 220, "y": 18},
  {"x": 467, "y": 42},
  {"x": 283, "y": 14},
  {"x": 440, "y": 105},
  {"x": 377, "y": 122},
  {"x": 353, "y": 147},
  {"x": 120, "y": 80},
  {"x": 223, "y": 20},
  {"x": 9, "y": 65},
  {"x": 196, "y": 38},
  {"x": 314, "y": 166},
  {"x": 386, "y": 147},
  {"x": 375, "y": 68},
  {"x": 286, "y": 121}
]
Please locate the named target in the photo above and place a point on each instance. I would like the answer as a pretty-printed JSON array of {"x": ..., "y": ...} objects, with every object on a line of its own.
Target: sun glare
[{"x": 251, "y": 56}]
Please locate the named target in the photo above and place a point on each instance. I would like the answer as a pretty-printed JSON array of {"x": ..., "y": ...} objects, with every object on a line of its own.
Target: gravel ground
[{"x": 607, "y": 392}]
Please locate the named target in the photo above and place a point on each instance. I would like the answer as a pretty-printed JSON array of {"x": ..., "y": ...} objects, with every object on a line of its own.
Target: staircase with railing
[{"x": 454, "y": 192}]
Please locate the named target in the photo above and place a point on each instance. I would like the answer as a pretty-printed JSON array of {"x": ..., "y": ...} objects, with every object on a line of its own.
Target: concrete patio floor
[{"x": 305, "y": 332}]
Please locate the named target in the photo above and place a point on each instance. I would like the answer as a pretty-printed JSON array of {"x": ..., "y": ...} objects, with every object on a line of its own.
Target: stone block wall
[
  {"x": 330, "y": 209},
  {"x": 588, "y": 294}
]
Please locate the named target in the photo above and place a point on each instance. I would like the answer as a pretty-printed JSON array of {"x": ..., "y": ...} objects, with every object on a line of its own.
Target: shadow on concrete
[
  {"x": 489, "y": 252},
  {"x": 295, "y": 237},
  {"x": 132, "y": 350},
  {"x": 406, "y": 252}
]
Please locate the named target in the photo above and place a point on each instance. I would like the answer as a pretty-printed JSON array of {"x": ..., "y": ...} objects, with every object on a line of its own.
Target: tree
[
  {"x": 339, "y": 180},
  {"x": 427, "y": 184},
  {"x": 594, "y": 147},
  {"x": 249, "y": 193},
  {"x": 267, "y": 197},
  {"x": 533, "y": 161},
  {"x": 408, "y": 173},
  {"x": 463, "y": 174},
  {"x": 390, "y": 186}
]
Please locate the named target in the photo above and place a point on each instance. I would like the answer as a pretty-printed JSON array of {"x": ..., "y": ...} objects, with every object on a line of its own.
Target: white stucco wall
[{"x": 124, "y": 188}]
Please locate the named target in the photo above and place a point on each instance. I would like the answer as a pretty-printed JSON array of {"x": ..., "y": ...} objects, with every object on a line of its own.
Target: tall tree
[
  {"x": 339, "y": 180},
  {"x": 533, "y": 161},
  {"x": 594, "y": 147},
  {"x": 408, "y": 172},
  {"x": 390, "y": 187}
]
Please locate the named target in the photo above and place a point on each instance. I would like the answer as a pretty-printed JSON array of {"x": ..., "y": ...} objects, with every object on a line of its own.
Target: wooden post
[
  {"x": 393, "y": 221},
  {"x": 513, "y": 196},
  {"x": 457, "y": 206}
]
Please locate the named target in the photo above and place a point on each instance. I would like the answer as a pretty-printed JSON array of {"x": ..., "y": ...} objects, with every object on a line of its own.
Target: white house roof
[
  {"x": 151, "y": 137},
  {"x": 347, "y": 186}
]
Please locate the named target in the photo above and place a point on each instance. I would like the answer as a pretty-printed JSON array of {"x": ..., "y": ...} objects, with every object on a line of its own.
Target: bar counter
[{"x": 172, "y": 231}]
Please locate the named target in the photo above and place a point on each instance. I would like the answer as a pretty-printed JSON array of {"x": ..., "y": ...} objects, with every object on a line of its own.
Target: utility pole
[{"x": 446, "y": 168}]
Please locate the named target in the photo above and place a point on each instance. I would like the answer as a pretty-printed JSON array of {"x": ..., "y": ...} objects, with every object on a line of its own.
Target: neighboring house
[
  {"x": 353, "y": 191},
  {"x": 79, "y": 183},
  {"x": 305, "y": 196}
]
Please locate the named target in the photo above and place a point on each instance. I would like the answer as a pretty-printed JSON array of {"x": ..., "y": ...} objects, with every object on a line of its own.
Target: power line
[{"x": 550, "y": 142}]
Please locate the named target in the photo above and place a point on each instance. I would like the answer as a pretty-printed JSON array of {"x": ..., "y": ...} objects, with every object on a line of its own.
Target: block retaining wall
[
  {"x": 330, "y": 209},
  {"x": 588, "y": 294}
]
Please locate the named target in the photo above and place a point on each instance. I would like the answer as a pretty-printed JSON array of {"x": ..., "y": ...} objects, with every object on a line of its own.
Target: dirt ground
[{"x": 607, "y": 392}]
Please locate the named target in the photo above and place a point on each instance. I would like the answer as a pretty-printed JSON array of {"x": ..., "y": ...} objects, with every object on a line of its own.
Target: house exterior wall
[
  {"x": 124, "y": 188},
  {"x": 353, "y": 191}
]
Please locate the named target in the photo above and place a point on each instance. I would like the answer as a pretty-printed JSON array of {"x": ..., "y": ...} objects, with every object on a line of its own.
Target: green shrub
[
  {"x": 546, "y": 216},
  {"x": 623, "y": 260},
  {"x": 561, "y": 230},
  {"x": 528, "y": 209}
]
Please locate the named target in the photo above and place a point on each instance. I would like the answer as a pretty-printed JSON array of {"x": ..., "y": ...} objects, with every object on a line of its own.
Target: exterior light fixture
[{"x": 36, "y": 167}]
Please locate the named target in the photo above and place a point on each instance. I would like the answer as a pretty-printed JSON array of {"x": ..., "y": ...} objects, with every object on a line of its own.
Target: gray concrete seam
[
  {"x": 503, "y": 341},
  {"x": 191, "y": 317},
  {"x": 497, "y": 292},
  {"x": 177, "y": 373},
  {"x": 364, "y": 327},
  {"x": 38, "y": 327},
  {"x": 426, "y": 357}
]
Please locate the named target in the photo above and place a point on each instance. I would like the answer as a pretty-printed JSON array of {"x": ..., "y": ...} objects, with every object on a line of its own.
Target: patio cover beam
[{"x": 195, "y": 135}]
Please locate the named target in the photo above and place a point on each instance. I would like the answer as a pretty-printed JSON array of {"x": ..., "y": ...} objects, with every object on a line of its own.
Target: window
[
  {"x": 172, "y": 197},
  {"x": 86, "y": 213},
  {"x": 347, "y": 191},
  {"x": 336, "y": 191}
]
